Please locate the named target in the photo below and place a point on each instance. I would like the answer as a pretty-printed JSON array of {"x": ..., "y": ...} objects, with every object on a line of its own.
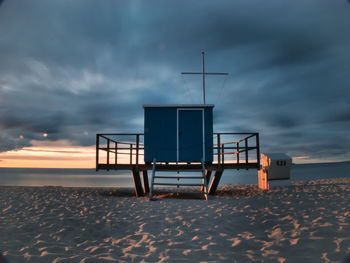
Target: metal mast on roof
[{"x": 203, "y": 73}]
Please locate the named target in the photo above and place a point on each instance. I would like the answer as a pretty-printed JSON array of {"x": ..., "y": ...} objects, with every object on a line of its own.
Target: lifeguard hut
[{"x": 178, "y": 138}]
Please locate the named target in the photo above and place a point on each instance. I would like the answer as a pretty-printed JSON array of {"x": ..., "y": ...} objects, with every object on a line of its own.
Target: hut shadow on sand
[
  {"x": 159, "y": 194},
  {"x": 223, "y": 191}
]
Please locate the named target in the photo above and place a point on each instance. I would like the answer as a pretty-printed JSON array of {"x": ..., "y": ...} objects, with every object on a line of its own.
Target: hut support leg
[
  {"x": 207, "y": 177},
  {"x": 215, "y": 182},
  {"x": 205, "y": 184},
  {"x": 145, "y": 181},
  {"x": 137, "y": 182},
  {"x": 152, "y": 181}
]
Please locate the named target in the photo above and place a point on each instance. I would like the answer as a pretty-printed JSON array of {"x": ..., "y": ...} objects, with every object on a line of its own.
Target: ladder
[{"x": 203, "y": 184}]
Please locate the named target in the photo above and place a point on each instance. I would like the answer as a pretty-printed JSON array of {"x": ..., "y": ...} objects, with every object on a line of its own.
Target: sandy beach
[{"x": 308, "y": 222}]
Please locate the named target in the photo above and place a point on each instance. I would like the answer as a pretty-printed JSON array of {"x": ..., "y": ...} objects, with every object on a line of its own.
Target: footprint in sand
[
  {"x": 236, "y": 241},
  {"x": 294, "y": 241}
]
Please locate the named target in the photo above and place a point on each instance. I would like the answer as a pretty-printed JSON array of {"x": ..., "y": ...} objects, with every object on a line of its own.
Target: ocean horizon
[{"x": 92, "y": 178}]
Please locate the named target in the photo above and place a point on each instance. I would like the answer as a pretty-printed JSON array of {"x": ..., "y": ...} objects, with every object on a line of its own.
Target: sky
[{"x": 71, "y": 69}]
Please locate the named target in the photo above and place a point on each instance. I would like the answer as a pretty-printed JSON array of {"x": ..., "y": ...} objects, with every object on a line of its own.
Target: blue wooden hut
[
  {"x": 178, "y": 133},
  {"x": 177, "y": 138}
]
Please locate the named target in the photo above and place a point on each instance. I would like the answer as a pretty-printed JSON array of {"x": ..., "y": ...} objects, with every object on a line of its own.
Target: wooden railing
[
  {"x": 227, "y": 148},
  {"x": 234, "y": 147},
  {"x": 127, "y": 149}
]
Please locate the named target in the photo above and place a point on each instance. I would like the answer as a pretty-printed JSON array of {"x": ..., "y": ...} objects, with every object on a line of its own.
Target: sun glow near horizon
[{"x": 50, "y": 154}]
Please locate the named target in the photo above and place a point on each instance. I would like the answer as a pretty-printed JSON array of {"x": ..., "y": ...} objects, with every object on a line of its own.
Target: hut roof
[{"x": 178, "y": 106}]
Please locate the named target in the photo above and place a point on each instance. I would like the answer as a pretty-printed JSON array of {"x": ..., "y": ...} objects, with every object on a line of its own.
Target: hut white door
[{"x": 190, "y": 140}]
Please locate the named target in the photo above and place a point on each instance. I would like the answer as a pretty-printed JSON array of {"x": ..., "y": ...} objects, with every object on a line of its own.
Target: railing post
[
  {"x": 257, "y": 150},
  {"x": 108, "y": 154},
  {"x": 237, "y": 153},
  {"x": 130, "y": 153},
  {"x": 223, "y": 154},
  {"x": 219, "y": 150},
  {"x": 246, "y": 151},
  {"x": 116, "y": 153},
  {"x": 97, "y": 150},
  {"x": 137, "y": 148}
]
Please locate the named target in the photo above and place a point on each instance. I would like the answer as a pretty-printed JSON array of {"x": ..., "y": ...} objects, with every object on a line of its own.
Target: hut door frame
[{"x": 177, "y": 131}]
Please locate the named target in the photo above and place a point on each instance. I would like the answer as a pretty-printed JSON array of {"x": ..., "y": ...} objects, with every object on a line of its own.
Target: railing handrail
[
  {"x": 103, "y": 135},
  {"x": 235, "y": 133}
]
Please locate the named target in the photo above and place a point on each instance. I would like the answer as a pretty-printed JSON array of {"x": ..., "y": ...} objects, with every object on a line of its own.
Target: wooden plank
[
  {"x": 257, "y": 150},
  {"x": 237, "y": 153},
  {"x": 215, "y": 182},
  {"x": 127, "y": 134},
  {"x": 205, "y": 183},
  {"x": 207, "y": 177},
  {"x": 97, "y": 150},
  {"x": 152, "y": 180},
  {"x": 137, "y": 148},
  {"x": 181, "y": 167},
  {"x": 178, "y": 184},
  {"x": 124, "y": 148},
  {"x": 241, "y": 149},
  {"x": 107, "y": 154},
  {"x": 137, "y": 183},
  {"x": 179, "y": 177},
  {"x": 219, "y": 146},
  {"x": 130, "y": 153},
  {"x": 116, "y": 153},
  {"x": 145, "y": 181},
  {"x": 223, "y": 154},
  {"x": 246, "y": 151},
  {"x": 235, "y": 133}
]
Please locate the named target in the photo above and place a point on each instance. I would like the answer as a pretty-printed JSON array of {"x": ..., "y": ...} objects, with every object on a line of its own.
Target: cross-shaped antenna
[{"x": 203, "y": 73}]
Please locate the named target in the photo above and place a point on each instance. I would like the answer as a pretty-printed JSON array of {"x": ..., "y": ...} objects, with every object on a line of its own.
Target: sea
[{"x": 93, "y": 178}]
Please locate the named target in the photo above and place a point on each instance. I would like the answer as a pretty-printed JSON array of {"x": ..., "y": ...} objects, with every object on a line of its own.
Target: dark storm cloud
[
  {"x": 73, "y": 69},
  {"x": 284, "y": 121},
  {"x": 342, "y": 117}
]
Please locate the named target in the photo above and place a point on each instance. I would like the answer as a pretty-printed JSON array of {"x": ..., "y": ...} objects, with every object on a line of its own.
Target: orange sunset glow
[{"x": 58, "y": 154}]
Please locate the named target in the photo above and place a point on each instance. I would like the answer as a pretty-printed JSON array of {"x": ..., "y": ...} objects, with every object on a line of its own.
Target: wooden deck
[
  {"x": 124, "y": 151},
  {"x": 179, "y": 167}
]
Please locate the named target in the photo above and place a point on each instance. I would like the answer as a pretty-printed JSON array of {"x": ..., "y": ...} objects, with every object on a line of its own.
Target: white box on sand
[{"x": 275, "y": 171}]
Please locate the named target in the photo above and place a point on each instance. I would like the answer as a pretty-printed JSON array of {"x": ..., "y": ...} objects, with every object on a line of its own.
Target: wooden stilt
[
  {"x": 145, "y": 181},
  {"x": 205, "y": 183},
  {"x": 97, "y": 150},
  {"x": 137, "y": 182},
  {"x": 215, "y": 182},
  {"x": 207, "y": 178},
  {"x": 152, "y": 181}
]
